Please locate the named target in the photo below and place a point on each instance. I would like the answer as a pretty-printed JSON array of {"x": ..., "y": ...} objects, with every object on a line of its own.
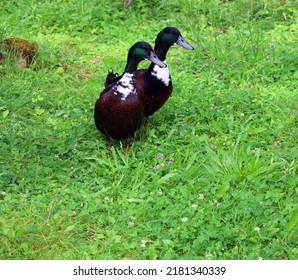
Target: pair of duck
[{"x": 135, "y": 94}]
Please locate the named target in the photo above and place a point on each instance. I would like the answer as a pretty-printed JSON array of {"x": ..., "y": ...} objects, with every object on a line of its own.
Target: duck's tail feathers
[{"x": 111, "y": 78}]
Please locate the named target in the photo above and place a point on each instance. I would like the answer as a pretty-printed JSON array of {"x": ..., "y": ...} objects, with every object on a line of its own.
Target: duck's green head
[
  {"x": 141, "y": 51},
  {"x": 168, "y": 37}
]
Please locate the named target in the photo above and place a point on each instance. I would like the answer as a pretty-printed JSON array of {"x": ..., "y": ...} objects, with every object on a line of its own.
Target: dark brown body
[
  {"x": 152, "y": 91},
  {"x": 118, "y": 118}
]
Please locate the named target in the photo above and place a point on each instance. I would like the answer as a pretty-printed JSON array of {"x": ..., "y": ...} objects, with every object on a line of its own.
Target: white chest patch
[
  {"x": 125, "y": 86},
  {"x": 161, "y": 74}
]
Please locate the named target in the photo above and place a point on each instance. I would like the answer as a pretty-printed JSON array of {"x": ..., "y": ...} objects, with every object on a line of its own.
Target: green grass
[{"x": 214, "y": 177}]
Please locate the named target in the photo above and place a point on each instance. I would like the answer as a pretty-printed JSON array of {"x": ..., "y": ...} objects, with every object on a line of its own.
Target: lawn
[{"x": 214, "y": 176}]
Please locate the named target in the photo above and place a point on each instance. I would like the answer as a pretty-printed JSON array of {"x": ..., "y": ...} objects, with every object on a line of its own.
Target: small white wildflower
[
  {"x": 160, "y": 193},
  {"x": 194, "y": 205},
  {"x": 200, "y": 196},
  {"x": 208, "y": 255},
  {"x": 257, "y": 229},
  {"x": 171, "y": 160},
  {"x": 259, "y": 258},
  {"x": 3, "y": 193},
  {"x": 156, "y": 167},
  {"x": 287, "y": 172},
  {"x": 216, "y": 204},
  {"x": 159, "y": 155},
  {"x": 277, "y": 143},
  {"x": 242, "y": 115},
  {"x": 106, "y": 198},
  {"x": 143, "y": 243},
  {"x": 132, "y": 217},
  {"x": 130, "y": 224},
  {"x": 184, "y": 219}
]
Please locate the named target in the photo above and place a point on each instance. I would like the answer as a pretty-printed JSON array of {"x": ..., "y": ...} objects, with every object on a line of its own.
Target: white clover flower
[
  {"x": 143, "y": 243},
  {"x": 257, "y": 229},
  {"x": 184, "y": 219},
  {"x": 200, "y": 196},
  {"x": 254, "y": 150},
  {"x": 277, "y": 144},
  {"x": 194, "y": 205}
]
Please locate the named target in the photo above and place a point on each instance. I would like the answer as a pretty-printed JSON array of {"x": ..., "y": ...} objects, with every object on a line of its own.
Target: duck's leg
[
  {"x": 148, "y": 114},
  {"x": 109, "y": 144},
  {"x": 128, "y": 141},
  {"x": 146, "y": 124}
]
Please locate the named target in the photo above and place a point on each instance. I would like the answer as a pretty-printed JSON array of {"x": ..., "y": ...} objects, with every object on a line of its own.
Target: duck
[
  {"x": 118, "y": 111},
  {"x": 154, "y": 85}
]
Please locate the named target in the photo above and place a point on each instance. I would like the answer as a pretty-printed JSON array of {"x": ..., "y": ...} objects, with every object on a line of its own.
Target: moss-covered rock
[{"x": 20, "y": 51}]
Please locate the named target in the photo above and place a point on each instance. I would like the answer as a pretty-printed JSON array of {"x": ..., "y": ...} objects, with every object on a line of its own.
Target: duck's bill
[
  {"x": 153, "y": 57},
  {"x": 181, "y": 42}
]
